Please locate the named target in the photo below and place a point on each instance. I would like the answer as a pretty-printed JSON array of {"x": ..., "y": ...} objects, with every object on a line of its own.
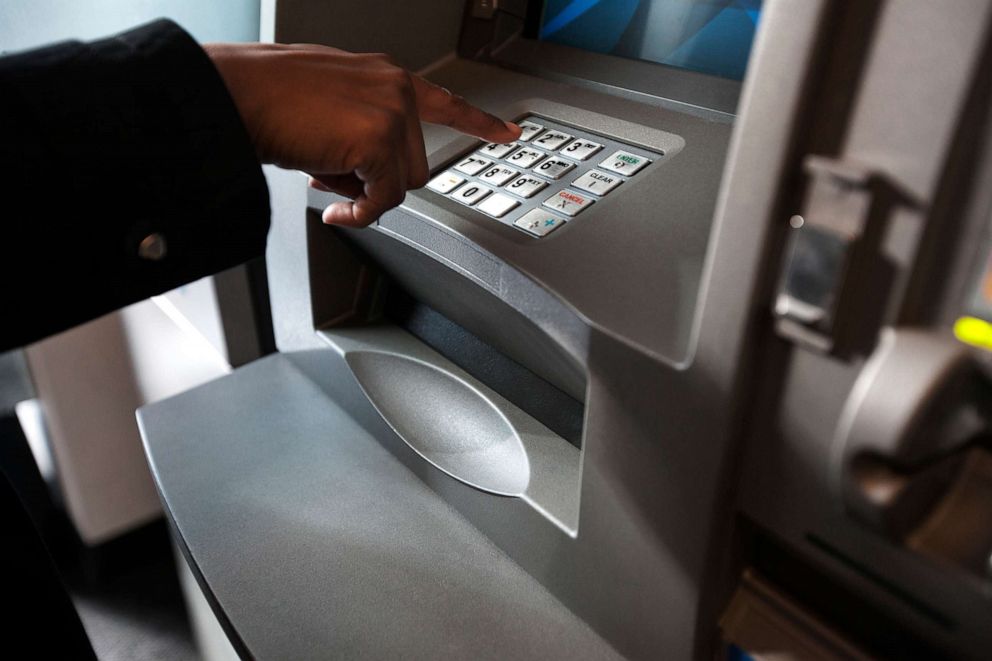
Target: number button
[
  {"x": 498, "y": 175},
  {"x": 554, "y": 168},
  {"x": 553, "y": 139},
  {"x": 529, "y": 130},
  {"x": 497, "y": 150},
  {"x": 581, "y": 149},
  {"x": 445, "y": 182},
  {"x": 473, "y": 165},
  {"x": 471, "y": 193},
  {"x": 597, "y": 183},
  {"x": 526, "y": 186},
  {"x": 525, "y": 157},
  {"x": 539, "y": 222},
  {"x": 624, "y": 162}
]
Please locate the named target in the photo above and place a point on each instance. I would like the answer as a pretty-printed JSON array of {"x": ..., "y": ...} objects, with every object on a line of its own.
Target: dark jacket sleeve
[{"x": 125, "y": 171}]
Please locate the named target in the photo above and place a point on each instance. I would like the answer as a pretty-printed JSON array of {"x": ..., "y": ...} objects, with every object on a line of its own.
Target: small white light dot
[{"x": 796, "y": 221}]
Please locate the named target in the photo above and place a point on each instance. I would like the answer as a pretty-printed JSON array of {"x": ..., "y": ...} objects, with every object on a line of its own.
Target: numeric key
[
  {"x": 529, "y": 130},
  {"x": 524, "y": 157},
  {"x": 470, "y": 193},
  {"x": 581, "y": 149},
  {"x": 553, "y": 168},
  {"x": 552, "y": 139},
  {"x": 497, "y": 150},
  {"x": 473, "y": 165},
  {"x": 526, "y": 186},
  {"x": 498, "y": 175}
]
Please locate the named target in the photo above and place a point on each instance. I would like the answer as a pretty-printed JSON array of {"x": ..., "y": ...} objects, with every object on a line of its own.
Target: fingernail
[{"x": 512, "y": 127}]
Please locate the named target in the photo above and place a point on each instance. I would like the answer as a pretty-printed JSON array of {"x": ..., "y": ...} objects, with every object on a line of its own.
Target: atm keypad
[{"x": 545, "y": 179}]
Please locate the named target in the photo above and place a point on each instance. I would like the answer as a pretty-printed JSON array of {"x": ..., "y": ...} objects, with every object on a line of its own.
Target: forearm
[{"x": 105, "y": 145}]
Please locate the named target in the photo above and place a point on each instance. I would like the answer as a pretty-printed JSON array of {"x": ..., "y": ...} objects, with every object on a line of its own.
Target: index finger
[{"x": 439, "y": 106}]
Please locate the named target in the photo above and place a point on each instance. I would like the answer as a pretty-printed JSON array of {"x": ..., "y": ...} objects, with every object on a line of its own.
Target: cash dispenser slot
[{"x": 461, "y": 426}]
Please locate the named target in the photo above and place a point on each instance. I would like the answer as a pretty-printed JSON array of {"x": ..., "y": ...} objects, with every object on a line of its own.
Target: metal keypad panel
[{"x": 550, "y": 176}]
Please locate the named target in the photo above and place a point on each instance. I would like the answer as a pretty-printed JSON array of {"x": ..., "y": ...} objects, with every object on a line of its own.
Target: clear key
[{"x": 597, "y": 183}]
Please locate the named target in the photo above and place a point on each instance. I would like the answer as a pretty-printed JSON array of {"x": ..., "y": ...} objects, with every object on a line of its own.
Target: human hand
[{"x": 350, "y": 120}]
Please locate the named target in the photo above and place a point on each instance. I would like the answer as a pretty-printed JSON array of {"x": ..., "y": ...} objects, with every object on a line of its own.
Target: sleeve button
[{"x": 153, "y": 247}]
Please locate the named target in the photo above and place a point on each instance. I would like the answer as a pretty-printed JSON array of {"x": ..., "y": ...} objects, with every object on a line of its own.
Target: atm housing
[
  {"x": 600, "y": 312},
  {"x": 575, "y": 400}
]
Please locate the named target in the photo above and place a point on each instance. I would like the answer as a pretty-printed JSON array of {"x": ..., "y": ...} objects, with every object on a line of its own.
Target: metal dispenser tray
[{"x": 341, "y": 550}]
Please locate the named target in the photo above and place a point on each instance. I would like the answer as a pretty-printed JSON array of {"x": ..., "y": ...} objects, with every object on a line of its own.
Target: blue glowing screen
[{"x": 710, "y": 36}]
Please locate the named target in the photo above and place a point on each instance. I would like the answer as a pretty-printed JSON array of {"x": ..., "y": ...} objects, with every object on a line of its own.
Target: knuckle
[
  {"x": 384, "y": 59},
  {"x": 395, "y": 125},
  {"x": 370, "y": 125}
]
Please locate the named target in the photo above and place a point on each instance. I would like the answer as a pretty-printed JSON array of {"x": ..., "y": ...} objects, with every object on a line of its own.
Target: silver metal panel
[
  {"x": 415, "y": 33},
  {"x": 314, "y": 542},
  {"x": 920, "y": 129},
  {"x": 653, "y": 236}
]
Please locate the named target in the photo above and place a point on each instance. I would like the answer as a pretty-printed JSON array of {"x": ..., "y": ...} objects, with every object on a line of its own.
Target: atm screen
[{"x": 708, "y": 36}]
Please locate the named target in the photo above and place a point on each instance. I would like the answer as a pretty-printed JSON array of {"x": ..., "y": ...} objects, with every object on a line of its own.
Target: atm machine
[{"x": 674, "y": 376}]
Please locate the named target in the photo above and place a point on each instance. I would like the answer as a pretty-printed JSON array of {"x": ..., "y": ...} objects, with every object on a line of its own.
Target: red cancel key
[{"x": 568, "y": 202}]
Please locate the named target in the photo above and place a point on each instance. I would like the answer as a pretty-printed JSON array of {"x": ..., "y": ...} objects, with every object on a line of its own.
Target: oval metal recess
[{"x": 445, "y": 420}]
